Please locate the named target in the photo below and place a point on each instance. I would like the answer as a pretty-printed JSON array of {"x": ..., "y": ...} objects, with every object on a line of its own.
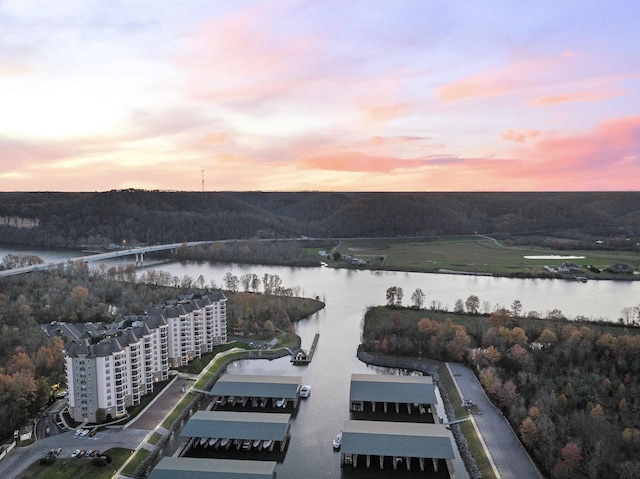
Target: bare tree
[
  {"x": 245, "y": 282},
  {"x": 516, "y": 308},
  {"x": 417, "y": 298},
  {"x": 392, "y": 296},
  {"x": 472, "y": 304},
  {"x": 255, "y": 282},
  {"x": 231, "y": 282},
  {"x": 628, "y": 315}
]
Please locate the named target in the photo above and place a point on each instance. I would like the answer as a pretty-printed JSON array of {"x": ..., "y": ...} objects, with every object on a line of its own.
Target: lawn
[
  {"x": 473, "y": 254},
  {"x": 72, "y": 468}
]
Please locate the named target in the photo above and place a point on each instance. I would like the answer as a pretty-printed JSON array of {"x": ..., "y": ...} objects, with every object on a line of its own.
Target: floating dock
[{"x": 302, "y": 358}]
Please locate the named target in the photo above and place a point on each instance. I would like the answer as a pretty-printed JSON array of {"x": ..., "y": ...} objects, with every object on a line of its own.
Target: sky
[{"x": 320, "y": 95}]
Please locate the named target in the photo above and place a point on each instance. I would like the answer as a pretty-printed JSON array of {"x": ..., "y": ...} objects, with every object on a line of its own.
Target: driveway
[
  {"x": 157, "y": 410},
  {"x": 509, "y": 456}
]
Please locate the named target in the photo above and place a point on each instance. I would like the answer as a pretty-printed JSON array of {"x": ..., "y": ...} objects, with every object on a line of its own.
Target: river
[{"x": 347, "y": 294}]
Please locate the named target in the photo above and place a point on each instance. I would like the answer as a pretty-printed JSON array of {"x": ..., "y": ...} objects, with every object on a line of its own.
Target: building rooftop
[
  {"x": 385, "y": 438},
  {"x": 257, "y": 386},
  {"x": 392, "y": 388},
  {"x": 199, "y": 468},
  {"x": 237, "y": 425}
]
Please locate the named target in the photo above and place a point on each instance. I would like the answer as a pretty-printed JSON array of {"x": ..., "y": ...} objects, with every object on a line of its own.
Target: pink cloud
[
  {"x": 519, "y": 136},
  {"x": 385, "y": 140},
  {"x": 518, "y": 76},
  {"x": 546, "y": 161},
  {"x": 243, "y": 59},
  {"x": 604, "y": 158},
  {"x": 383, "y": 113},
  {"x": 475, "y": 87},
  {"x": 356, "y": 162},
  {"x": 216, "y": 138},
  {"x": 589, "y": 96}
]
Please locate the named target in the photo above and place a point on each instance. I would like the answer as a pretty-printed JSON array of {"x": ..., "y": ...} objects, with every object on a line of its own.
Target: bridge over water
[{"x": 138, "y": 252}]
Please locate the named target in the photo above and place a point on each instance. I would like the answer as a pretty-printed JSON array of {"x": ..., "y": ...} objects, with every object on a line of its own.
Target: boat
[
  {"x": 266, "y": 444},
  {"x": 337, "y": 441},
  {"x": 281, "y": 402},
  {"x": 256, "y": 443},
  {"x": 225, "y": 442},
  {"x": 203, "y": 440},
  {"x": 305, "y": 390},
  {"x": 213, "y": 441}
]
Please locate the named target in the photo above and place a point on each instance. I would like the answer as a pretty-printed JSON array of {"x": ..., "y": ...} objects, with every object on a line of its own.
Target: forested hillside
[{"x": 134, "y": 216}]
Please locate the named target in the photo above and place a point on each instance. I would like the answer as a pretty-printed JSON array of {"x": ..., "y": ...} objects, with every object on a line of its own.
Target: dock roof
[
  {"x": 247, "y": 385},
  {"x": 237, "y": 425},
  {"x": 199, "y": 468},
  {"x": 392, "y": 388},
  {"x": 386, "y": 438}
]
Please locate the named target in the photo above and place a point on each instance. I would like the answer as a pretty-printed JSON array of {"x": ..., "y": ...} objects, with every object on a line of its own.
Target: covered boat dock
[
  {"x": 197, "y": 468},
  {"x": 257, "y": 391},
  {"x": 396, "y": 444},
  {"x": 398, "y": 390},
  {"x": 239, "y": 426}
]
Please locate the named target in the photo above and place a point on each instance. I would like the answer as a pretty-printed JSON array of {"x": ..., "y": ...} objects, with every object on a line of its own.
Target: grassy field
[{"x": 473, "y": 254}]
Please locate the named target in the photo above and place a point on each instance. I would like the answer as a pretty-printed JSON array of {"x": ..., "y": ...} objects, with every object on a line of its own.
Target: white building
[
  {"x": 111, "y": 366},
  {"x": 196, "y": 325}
]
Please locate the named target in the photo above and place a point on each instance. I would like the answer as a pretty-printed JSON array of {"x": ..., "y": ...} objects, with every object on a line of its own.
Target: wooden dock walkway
[{"x": 302, "y": 358}]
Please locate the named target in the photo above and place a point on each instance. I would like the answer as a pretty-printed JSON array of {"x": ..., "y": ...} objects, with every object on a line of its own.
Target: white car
[
  {"x": 305, "y": 390},
  {"x": 75, "y": 453}
]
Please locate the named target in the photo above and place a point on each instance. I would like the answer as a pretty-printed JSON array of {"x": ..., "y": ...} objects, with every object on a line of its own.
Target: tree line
[
  {"x": 569, "y": 389},
  {"x": 99, "y": 219},
  {"x": 629, "y": 315}
]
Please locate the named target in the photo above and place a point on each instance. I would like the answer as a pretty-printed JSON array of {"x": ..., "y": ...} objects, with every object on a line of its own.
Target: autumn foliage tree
[{"x": 570, "y": 390}]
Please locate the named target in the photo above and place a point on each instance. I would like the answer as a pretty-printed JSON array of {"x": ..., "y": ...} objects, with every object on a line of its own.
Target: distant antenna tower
[{"x": 202, "y": 180}]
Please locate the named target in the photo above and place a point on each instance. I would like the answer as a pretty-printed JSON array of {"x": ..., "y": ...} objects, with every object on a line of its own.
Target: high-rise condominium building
[{"x": 111, "y": 366}]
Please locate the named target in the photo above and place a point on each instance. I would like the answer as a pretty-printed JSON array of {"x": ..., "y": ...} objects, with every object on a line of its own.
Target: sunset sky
[{"x": 293, "y": 95}]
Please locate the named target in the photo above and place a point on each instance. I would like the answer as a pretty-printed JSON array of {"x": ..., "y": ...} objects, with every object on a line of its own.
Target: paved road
[
  {"x": 129, "y": 437},
  {"x": 156, "y": 412},
  {"x": 509, "y": 456},
  {"x": 20, "y": 458}
]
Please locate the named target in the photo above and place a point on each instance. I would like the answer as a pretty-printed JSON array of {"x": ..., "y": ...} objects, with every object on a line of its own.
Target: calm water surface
[{"x": 347, "y": 295}]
